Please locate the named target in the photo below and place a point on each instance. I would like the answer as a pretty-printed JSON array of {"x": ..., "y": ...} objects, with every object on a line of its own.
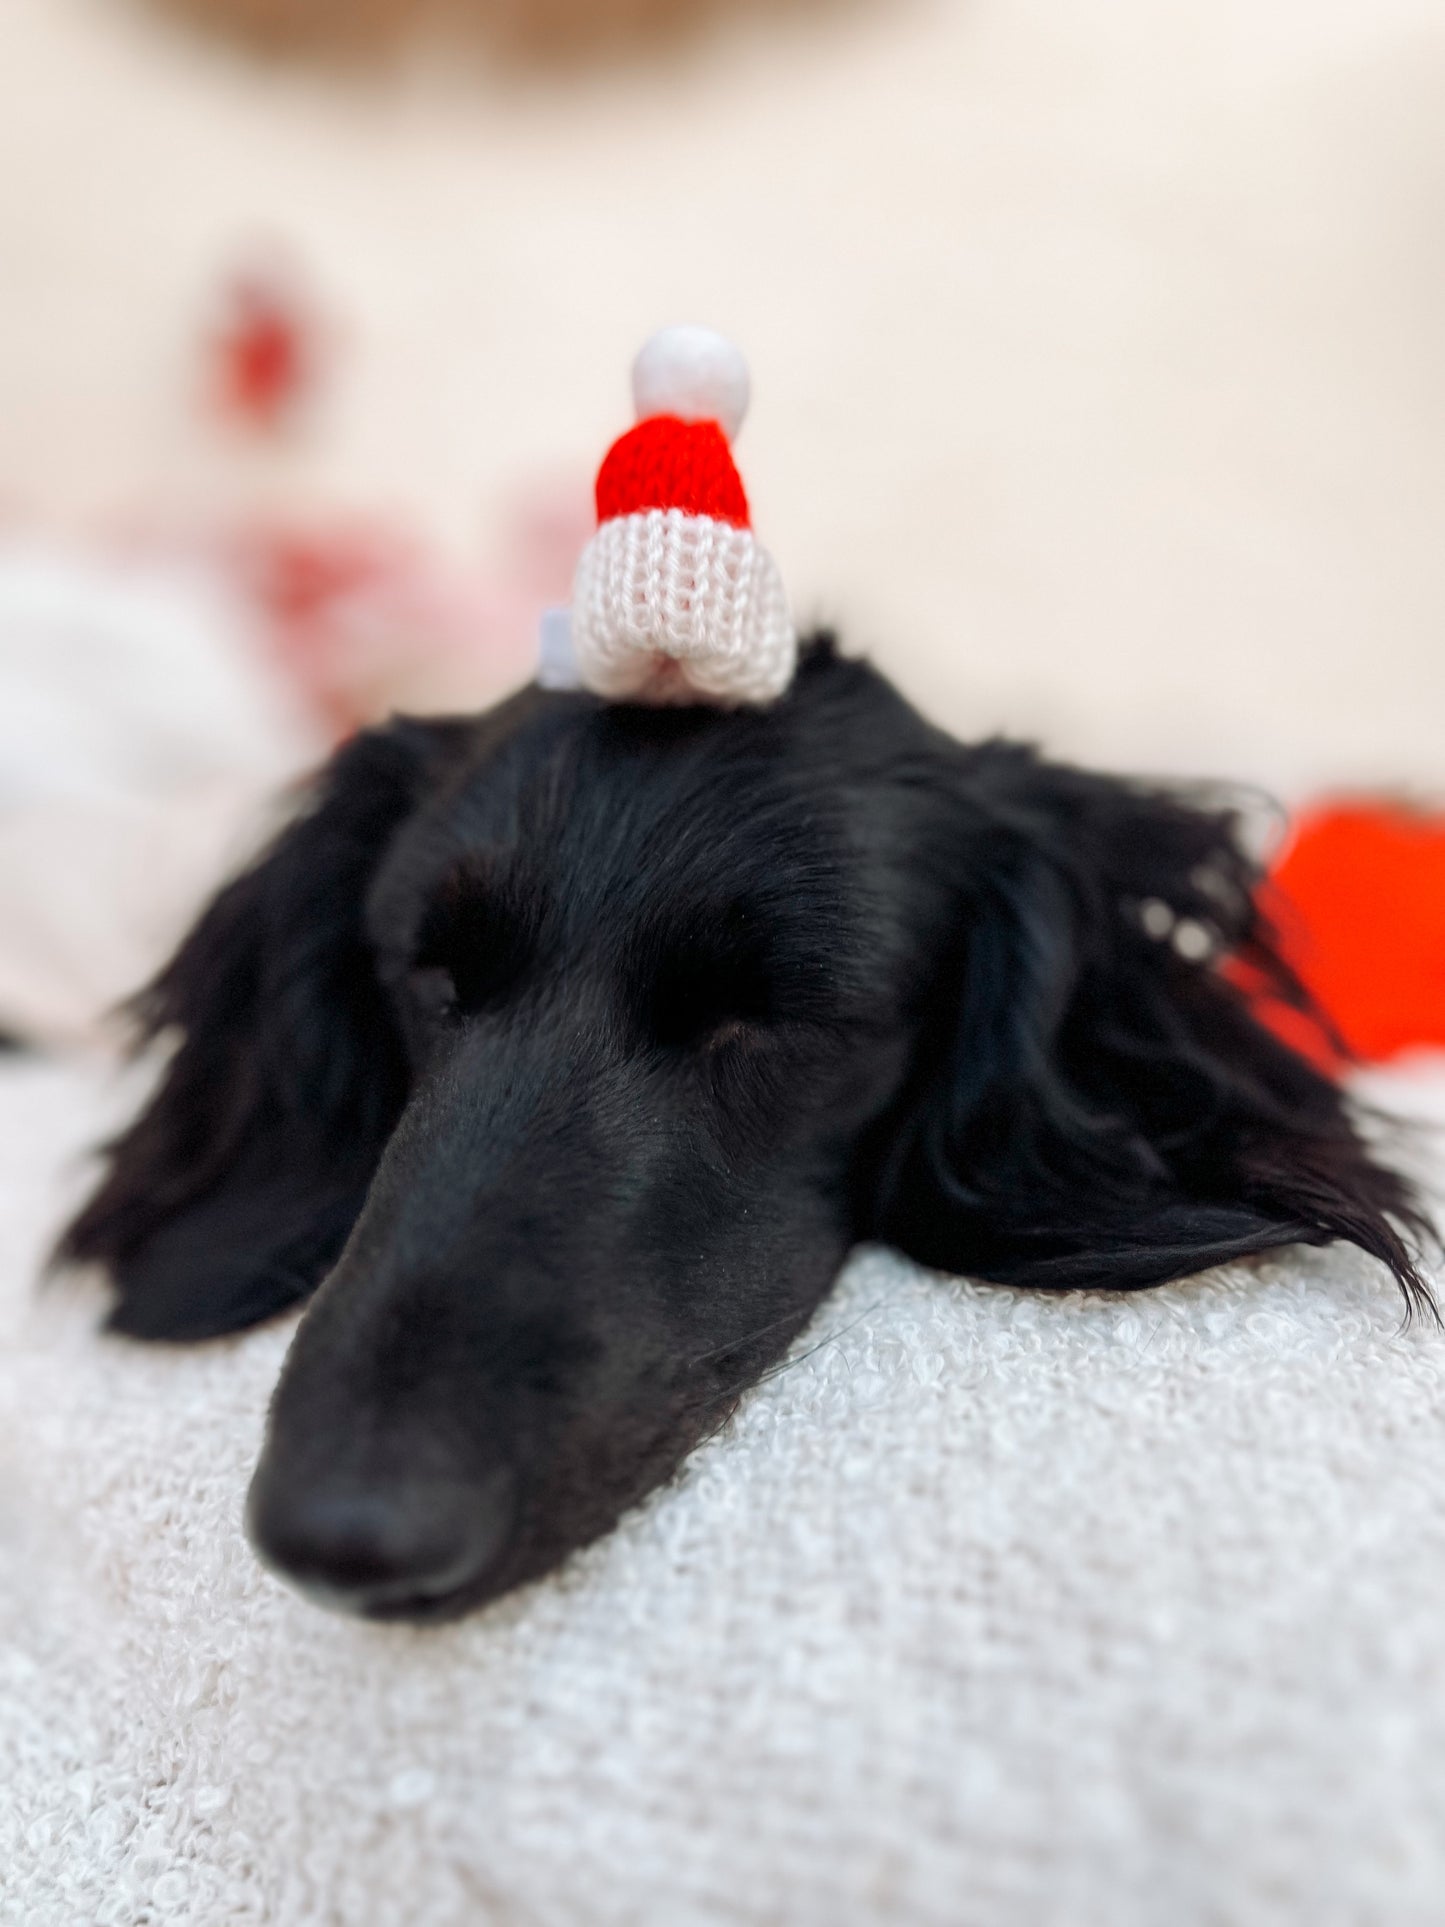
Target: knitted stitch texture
[
  {"x": 665, "y": 463},
  {"x": 668, "y": 606}
]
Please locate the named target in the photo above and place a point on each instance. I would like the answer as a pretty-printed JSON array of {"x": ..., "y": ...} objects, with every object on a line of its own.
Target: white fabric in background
[
  {"x": 143, "y": 738},
  {"x": 992, "y": 1611}
]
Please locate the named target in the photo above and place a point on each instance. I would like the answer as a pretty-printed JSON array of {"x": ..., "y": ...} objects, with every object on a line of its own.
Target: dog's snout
[{"x": 383, "y": 1547}]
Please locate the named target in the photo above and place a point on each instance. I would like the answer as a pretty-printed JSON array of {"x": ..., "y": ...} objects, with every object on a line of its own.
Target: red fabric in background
[{"x": 1358, "y": 894}]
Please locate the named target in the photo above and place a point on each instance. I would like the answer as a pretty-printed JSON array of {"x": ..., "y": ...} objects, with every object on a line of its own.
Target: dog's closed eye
[
  {"x": 714, "y": 987},
  {"x": 471, "y": 951}
]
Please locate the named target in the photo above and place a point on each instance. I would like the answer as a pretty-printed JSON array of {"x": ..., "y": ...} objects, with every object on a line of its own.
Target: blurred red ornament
[{"x": 265, "y": 351}]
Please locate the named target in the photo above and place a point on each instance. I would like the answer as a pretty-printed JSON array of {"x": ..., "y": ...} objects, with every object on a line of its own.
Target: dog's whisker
[
  {"x": 749, "y": 1338},
  {"x": 786, "y": 1364}
]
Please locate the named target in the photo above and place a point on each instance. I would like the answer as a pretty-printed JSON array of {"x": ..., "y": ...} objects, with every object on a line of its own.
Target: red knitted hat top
[{"x": 667, "y": 463}]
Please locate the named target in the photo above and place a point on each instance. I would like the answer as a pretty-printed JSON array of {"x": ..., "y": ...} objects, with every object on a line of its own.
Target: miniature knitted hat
[{"x": 675, "y": 600}]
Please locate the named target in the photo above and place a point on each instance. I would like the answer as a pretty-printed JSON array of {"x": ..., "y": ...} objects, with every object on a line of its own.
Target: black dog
[{"x": 567, "y": 1049}]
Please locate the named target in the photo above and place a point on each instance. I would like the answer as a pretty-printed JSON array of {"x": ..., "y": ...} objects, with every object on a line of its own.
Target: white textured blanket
[{"x": 989, "y": 1610}]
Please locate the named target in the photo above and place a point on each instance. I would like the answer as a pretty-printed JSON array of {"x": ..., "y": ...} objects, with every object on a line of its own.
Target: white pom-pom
[{"x": 694, "y": 373}]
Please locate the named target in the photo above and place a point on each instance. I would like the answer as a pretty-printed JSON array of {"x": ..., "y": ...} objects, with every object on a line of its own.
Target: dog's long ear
[
  {"x": 1095, "y": 1105},
  {"x": 234, "y": 1190}
]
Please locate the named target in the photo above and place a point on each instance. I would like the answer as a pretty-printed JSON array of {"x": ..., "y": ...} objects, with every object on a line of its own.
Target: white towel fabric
[{"x": 991, "y": 1609}]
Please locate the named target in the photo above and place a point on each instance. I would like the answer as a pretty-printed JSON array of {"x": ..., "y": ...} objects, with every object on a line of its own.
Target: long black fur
[
  {"x": 233, "y": 1192},
  {"x": 573, "y": 1045}
]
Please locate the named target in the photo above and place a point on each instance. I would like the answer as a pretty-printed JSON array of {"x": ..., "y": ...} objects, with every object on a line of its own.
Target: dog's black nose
[{"x": 384, "y": 1547}]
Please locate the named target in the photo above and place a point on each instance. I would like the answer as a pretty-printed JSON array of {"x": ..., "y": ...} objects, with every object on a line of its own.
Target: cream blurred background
[
  {"x": 1097, "y": 350},
  {"x": 1099, "y": 377}
]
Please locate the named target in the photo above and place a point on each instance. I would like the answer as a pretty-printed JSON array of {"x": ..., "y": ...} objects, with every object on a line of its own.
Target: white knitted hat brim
[{"x": 669, "y": 606}]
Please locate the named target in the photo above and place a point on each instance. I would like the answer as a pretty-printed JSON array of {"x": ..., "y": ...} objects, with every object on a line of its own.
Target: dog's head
[{"x": 567, "y": 1049}]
